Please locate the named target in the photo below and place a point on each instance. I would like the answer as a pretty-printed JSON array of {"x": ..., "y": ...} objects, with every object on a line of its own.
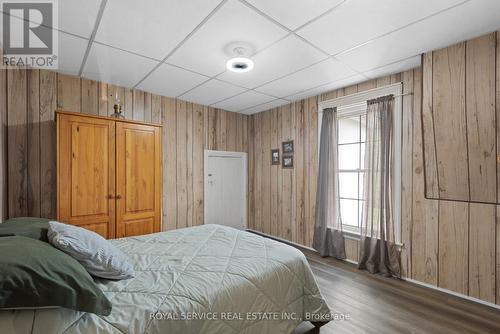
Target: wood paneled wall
[
  {"x": 448, "y": 244},
  {"x": 460, "y": 131},
  {"x": 28, "y": 100}
]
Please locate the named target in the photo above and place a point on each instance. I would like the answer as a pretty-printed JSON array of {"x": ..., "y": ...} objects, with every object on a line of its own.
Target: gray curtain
[
  {"x": 378, "y": 250},
  {"x": 328, "y": 239}
]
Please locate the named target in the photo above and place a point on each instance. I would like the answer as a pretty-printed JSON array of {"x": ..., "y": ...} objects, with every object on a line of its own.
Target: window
[
  {"x": 351, "y": 132},
  {"x": 351, "y": 143}
]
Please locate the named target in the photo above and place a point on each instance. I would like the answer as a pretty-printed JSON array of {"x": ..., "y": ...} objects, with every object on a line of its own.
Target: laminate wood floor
[{"x": 383, "y": 305}]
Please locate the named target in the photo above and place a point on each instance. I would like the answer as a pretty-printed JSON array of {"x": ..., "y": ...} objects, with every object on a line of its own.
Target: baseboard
[{"x": 450, "y": 292}]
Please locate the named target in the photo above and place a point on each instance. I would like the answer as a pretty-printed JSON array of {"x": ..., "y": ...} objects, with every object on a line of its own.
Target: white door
[{"x": 225, "y": 188}]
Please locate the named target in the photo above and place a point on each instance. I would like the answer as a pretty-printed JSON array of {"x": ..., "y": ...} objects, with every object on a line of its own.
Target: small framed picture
[
  {"x": 288, "y": 161},
  {"x": 287, "y": 146},
  {"x": 275, "y": 156}
]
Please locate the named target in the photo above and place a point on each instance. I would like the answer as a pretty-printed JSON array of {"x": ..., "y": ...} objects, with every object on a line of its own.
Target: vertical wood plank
[
  {"x": 498, "y": 167},
  {"x": 138, "y": 101},
  {"x": 198, "y": 140},
  {"x": 313, "y": 161},
  {"x": 258, "y": 173},
  {"x": 406, "y": 173},
  {"x": 428, "y": 129},
  {"x": 90, "y": 97},
  {"x": 266, "y": 172},
  {"x": 251, "y": 172},
  {"x": 300, "y": 163},
  {"x": 182, "y": 206},
  {"x": 69, "y": 93},
  {"x": 231, "y": 129},
  {"x": 156, "y": 109},
  {"x": 384, "y": 81},
  {"x": 481, "y": 125},
  {"x": 189, "y": 163},
  {"x": 148, "y": 111},
  {"x": 286, "y": 124},
  {"x": 128, "y": 103},
  {"x": 33, "y": 132},
  {"x": 453, "y": 246},
  {"x": 221, "y": 129},
  {"x": 424, "y": 239},
  {"x": 370, "y": 84},
  {"x": 48, "y": 104},
  {"x": 274, "y": 144},
  {"x": 482, "y": 218},
  {"x": 17, "y": 142},
  {"x": 169, "y": 121},
  {"x": 449, "y": 113},
  {"x": 102, "y": 91}
]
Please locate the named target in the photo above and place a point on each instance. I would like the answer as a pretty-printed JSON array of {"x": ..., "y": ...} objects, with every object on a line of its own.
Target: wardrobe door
[
  {"x": 86, "y": 173},
  {"x": 138, "y": 179}
]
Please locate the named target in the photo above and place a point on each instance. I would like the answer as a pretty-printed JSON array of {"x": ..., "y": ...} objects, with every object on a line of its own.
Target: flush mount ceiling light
[{"x": 239, "y": 53}]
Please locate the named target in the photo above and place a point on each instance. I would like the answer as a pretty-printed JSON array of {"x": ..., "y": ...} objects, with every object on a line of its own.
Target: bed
[{"x": 205, "y": 279}]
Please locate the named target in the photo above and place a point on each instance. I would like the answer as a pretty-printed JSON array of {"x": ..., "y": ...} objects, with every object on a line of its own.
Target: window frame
[{"x": 352, "y": 105}]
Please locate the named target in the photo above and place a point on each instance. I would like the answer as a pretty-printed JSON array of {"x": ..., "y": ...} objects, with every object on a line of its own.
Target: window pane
[
  {"x": 349, "y": 212},
  {"x": 349, "y": 156},
  {"x": 348, "y": 130},
  {"x": 348, "y": 185},
  {"x": 363, "y": 128},
  {"x": 361, "y": 185},
  {"x": 362, "y": 156},
  {"x": 360, "y": 212}
]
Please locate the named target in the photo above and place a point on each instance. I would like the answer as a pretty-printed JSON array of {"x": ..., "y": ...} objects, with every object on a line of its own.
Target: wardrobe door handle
[
  {"x": 118, "y": 197},
  {"x": 110, "y": 197}
]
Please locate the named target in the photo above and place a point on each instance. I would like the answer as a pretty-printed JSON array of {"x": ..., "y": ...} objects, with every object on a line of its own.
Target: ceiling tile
[
  {"x": 151, "y": 27},
  {"x": 115, "y": 66},
  {"x": 357, "y": 78},
  {"x": 458, "y": 24},
  {"x": 171, "y": 81},
  {"x": 244, "y": 101},
  {"x": 234, "y": 22},
  {"x": 396, "y": 67},
  {"x": 356, "y": 22},
  {"x": 74, "y": 16},
  {"x": 264, "y": 106},
  {"x": 287, "y": 56},
  {"x": 78, "y": 17},
  {"x": 319, "y": 74},
  {"x": 71, "y": 52},
  {"x": 211, "y": 92},
  {"x": 294, "y": 13}
]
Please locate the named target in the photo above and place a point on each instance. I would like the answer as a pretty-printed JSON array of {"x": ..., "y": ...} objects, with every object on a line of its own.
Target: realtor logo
[{"x": 29, "y": 34}]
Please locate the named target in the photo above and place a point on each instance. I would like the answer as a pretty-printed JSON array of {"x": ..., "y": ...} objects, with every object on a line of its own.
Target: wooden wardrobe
[{"x": 108, "y": 174}]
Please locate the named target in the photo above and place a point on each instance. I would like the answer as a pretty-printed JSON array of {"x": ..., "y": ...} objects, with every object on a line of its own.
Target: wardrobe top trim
[{"x": 72, "y": 113}]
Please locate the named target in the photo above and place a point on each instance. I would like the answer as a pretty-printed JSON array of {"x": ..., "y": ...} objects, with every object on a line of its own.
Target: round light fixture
[{"x": 240, "y": 64}]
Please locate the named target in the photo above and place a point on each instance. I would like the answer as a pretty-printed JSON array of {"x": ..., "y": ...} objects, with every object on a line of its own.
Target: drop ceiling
[{"x": 301, "y": 48}]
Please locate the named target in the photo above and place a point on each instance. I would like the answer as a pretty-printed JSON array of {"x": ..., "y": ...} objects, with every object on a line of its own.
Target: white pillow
[{"x": 98, "y": 256}]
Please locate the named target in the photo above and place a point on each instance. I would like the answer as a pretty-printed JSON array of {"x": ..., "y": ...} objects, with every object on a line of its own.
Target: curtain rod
[{"x": 399, "y": 95}]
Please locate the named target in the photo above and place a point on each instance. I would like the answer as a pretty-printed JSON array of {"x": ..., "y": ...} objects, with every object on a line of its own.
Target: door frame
[{"x": 224, "y": 154}]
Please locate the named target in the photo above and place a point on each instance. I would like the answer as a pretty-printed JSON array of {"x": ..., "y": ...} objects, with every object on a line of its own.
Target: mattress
[{"x": 205, "y": 279}]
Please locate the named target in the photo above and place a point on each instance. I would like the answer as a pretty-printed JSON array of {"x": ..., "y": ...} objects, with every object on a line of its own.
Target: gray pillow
[{"x": 97, "y": 255}]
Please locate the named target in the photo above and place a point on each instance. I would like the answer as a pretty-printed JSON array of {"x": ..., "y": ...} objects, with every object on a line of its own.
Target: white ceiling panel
[
  {"x": 294, "y": 13},
  {"x": 151, "y": 27},
  {"x": 115, "y": 66},
  {"x": 78, "y": 16},
  {"x": 244, "y": 101},
  {"x": 319, "y": 74},
  {"x": 356, "y": 22},
  {"x": 265, "y": 106},
  {"x": 171, "y": 81},
  {"x": 458, "y": 24},
  {"x": 71, "y": 52},
  {"x": 234, "y": 22},
  {"x": 327, "y": 87},
  {"x": 212, "y": 91},
  {"x": 396, "y": 67},
  {"x": 74, "y": 16},
  {"x": 287, "y": 56}
]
